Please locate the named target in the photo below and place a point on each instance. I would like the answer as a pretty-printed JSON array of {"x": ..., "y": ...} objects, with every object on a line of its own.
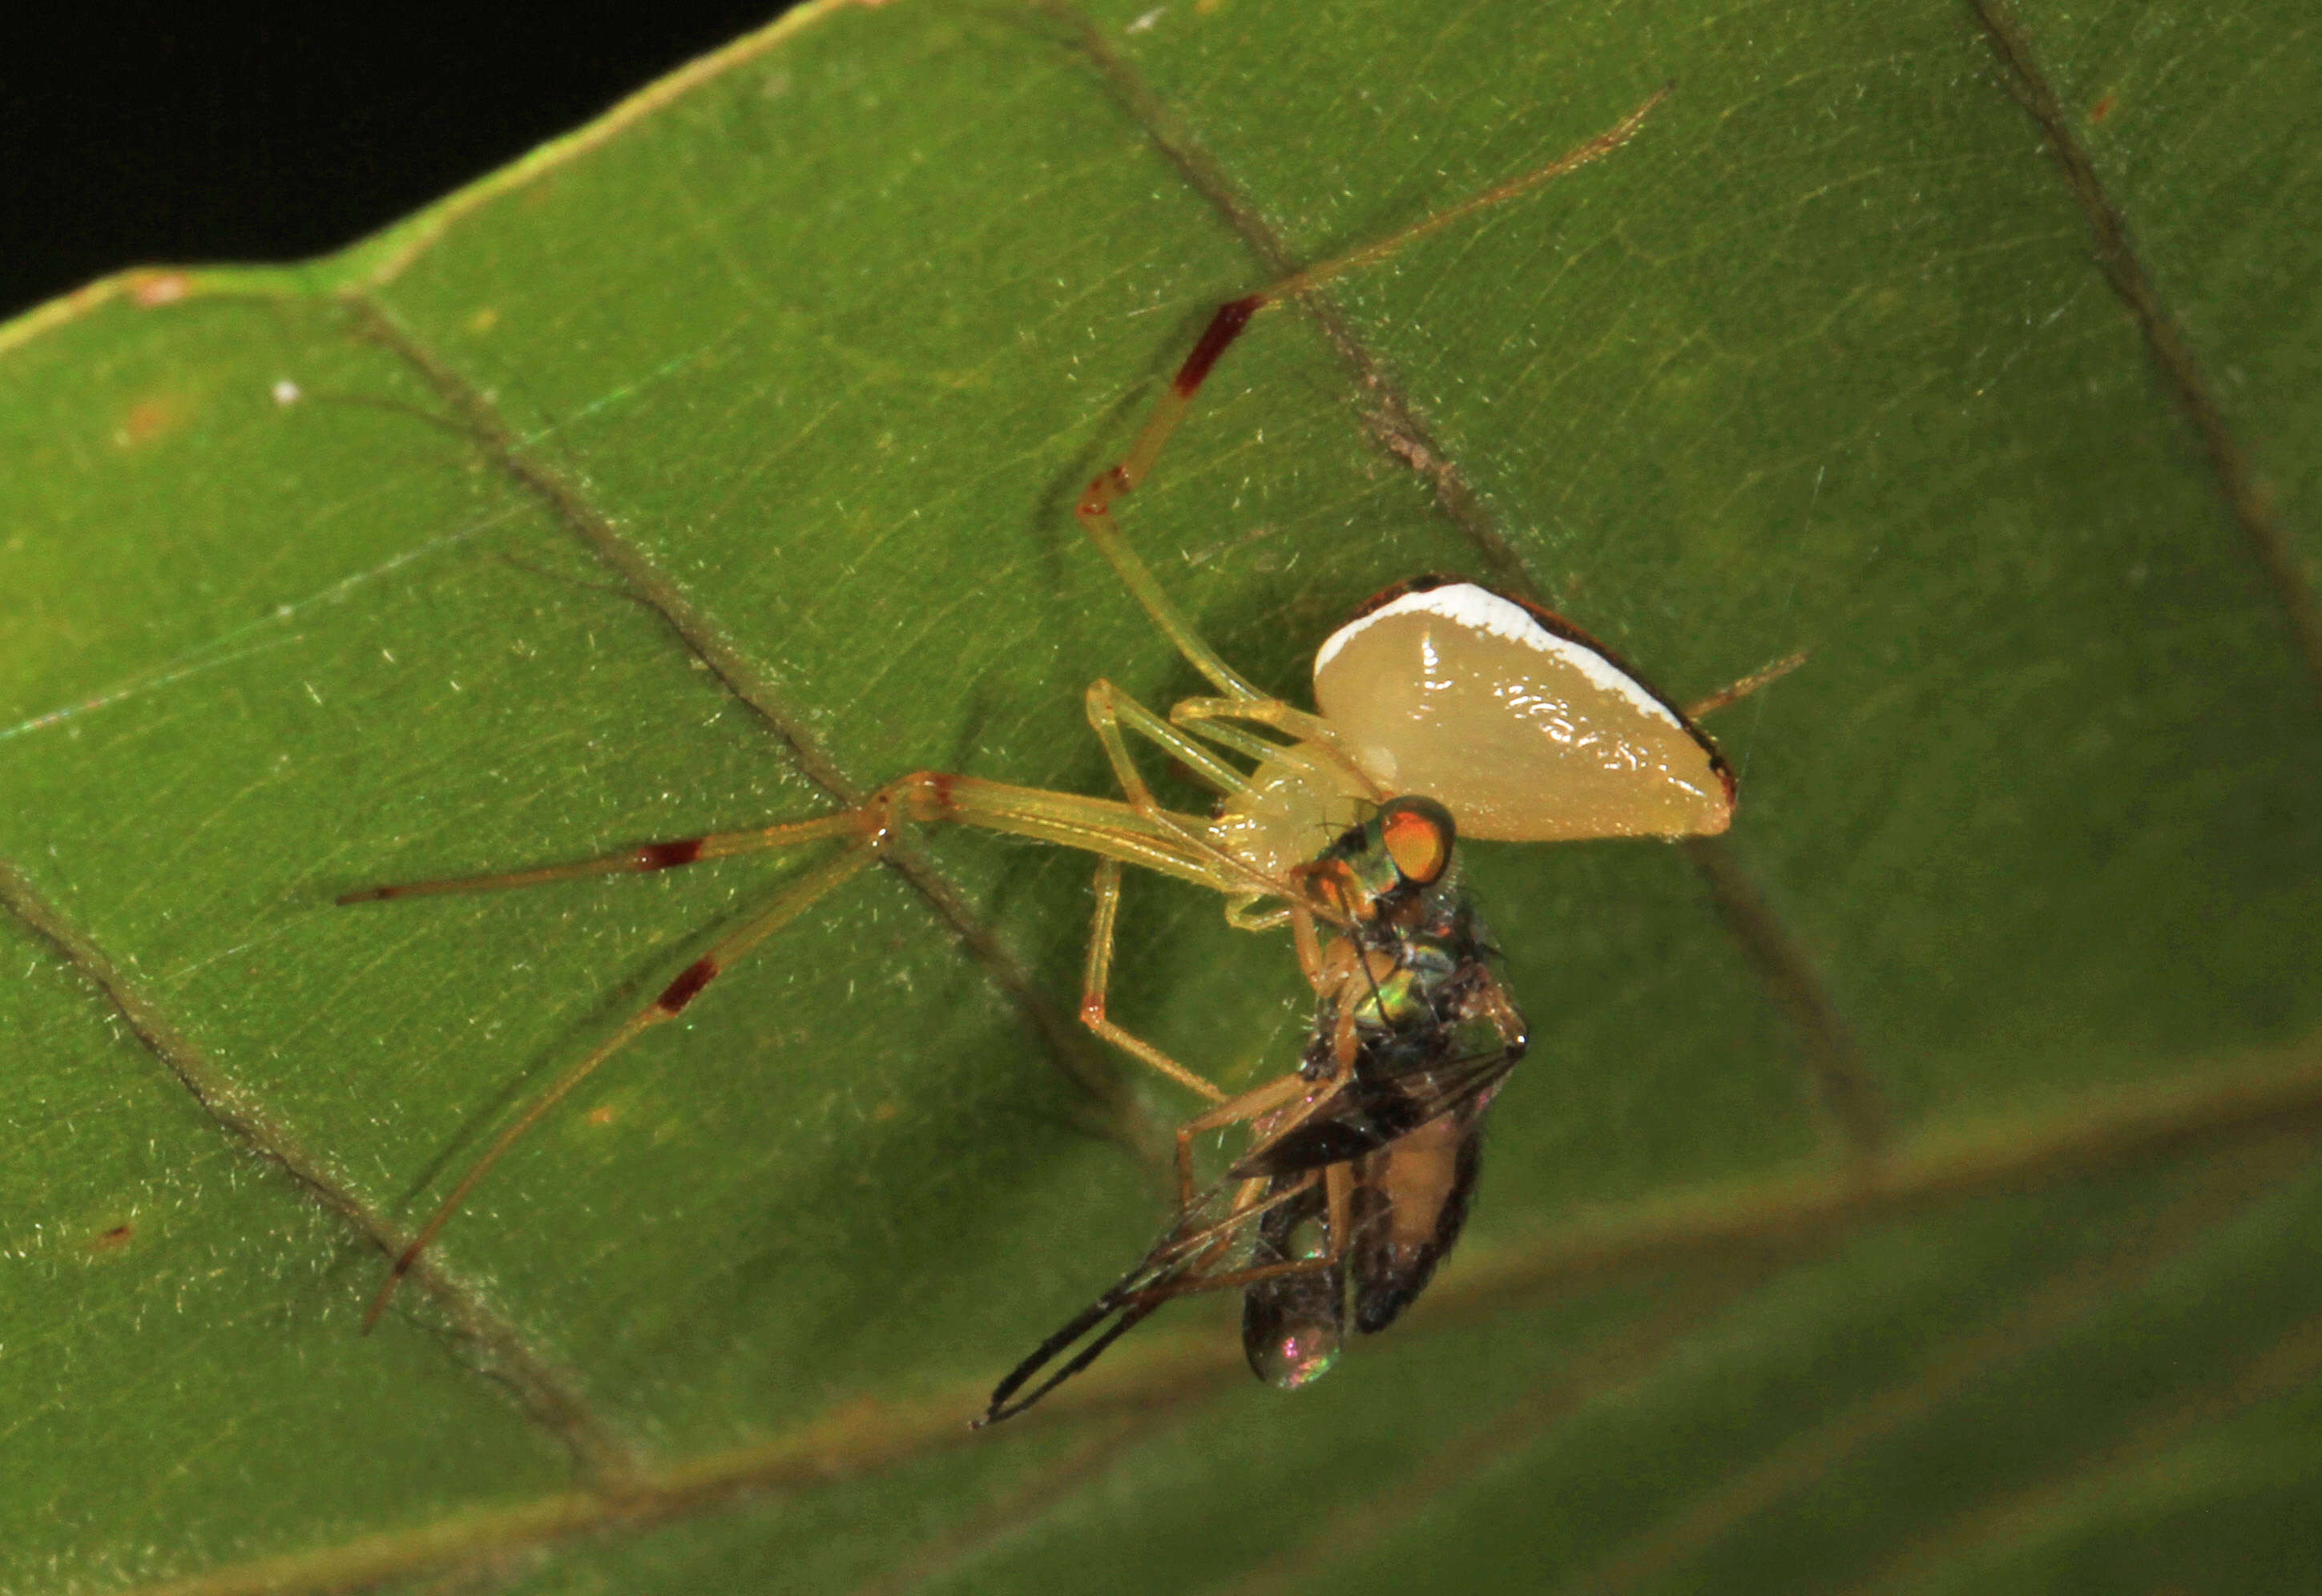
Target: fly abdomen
[{"x": 1410, "y": 1202}]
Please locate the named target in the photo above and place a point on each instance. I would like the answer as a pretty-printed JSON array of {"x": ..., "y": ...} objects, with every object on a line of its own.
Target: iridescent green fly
[{"x": 1362, "y": 1163}]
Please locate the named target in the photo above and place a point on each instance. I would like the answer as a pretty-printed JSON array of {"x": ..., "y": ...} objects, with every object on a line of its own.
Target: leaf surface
[{"x": 1905, "y": 1192}]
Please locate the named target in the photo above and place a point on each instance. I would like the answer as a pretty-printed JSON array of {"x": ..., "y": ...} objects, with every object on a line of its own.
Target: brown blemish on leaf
[
  {"x": 162, "y": 288},
  {"x": 153, "y": 416}
]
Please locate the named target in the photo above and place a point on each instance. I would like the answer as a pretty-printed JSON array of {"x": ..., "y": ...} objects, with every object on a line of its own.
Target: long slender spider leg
[
  {"x": 1201, "y": 716},
  {"x": 1097, "y": 979},
  {"x": 1258, "y": 1099},
  {"x": 638, "y": 859},
  {"x": 1204, "y": 717},
  {"x": 1163, "y": 842},
  {"x": 1298, "y": 724},
  {"x": 1764, "y": 676},
  {"x": 1115, "y": 832},
  {"x": 1225, "y": 326},
  {"x": 1233, "y": 739},
  {"x": 1110, "y": 710},
  {"x": 1095, "y": 513},
  {"x": 786, "y": 906}
]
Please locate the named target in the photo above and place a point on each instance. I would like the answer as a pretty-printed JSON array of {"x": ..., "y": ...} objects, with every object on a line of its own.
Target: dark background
[{"x": 138, "y": 135}]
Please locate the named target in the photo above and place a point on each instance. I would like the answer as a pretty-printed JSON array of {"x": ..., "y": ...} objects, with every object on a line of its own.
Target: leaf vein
[
  {"x": 2247, "y": 500},
  {"x": 695, "y": 631},
  {"x": 549, "y": 1395}
]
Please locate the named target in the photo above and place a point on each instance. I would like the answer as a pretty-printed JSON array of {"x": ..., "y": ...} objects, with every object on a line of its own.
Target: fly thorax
[{"x": 1394, "y": 1002}]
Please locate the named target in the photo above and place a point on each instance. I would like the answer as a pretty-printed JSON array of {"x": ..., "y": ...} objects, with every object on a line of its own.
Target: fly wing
[
  {"x": 1210, "y": 1236},
  {"x": 1128, "y": 1313},
  {"x": 1377, "y": 1107}
]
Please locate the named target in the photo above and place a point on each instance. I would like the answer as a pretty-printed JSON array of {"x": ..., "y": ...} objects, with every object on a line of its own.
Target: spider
[{"x": 1493, "y": 710}]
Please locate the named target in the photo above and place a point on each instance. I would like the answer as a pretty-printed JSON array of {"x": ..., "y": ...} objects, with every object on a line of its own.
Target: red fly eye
[{"x": 1417, "y": 834}]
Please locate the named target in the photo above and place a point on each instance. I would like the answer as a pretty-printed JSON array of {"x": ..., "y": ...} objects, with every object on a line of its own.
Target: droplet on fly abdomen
[{"x": 1293, "y": 1325}]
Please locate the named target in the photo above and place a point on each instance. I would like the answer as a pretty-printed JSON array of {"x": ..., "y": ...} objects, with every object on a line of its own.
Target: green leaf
[{"x": 1910, "y": 1191}]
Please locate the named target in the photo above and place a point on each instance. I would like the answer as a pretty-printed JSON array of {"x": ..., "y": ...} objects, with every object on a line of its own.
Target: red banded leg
[
  {"x": 1114, "y": 831},
  {"x": 924, "y": 797},
  {"x": 1227, "y": 326},
  {"x": 787, "y": 906}
]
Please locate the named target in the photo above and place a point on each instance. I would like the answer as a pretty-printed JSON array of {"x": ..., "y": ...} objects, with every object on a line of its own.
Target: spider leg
[
  {"x": 1111, "y": 713},
  {"x": 786, "y": 906},
  {"x": 1097, "y": 978},
  {"x": 638, "y": 859},
  {"x": 1764, "y": 676},
  {"x": 1156, "y": 841},
  {"x": 1115, "y": 832},
  {"x": 1226, "y": 325}
]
